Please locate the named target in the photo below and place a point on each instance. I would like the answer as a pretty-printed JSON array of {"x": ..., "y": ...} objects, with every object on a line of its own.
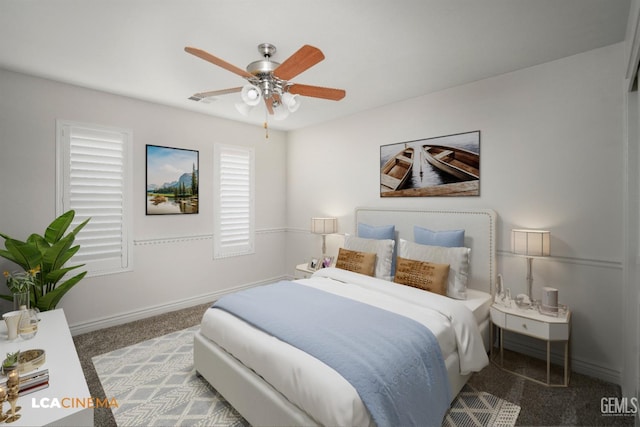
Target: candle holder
[
  {"x": 3, "y": 397},
  {"x": 13, "y": 385}
]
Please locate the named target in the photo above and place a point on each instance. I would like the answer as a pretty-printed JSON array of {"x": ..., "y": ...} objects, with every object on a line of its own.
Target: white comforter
[{"x": 315, "y": 387}]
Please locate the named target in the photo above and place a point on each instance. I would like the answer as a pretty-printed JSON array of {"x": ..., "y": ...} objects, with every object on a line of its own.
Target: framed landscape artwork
[
  {"x": 441, "y": 166},
  {"x": 172, "y": 181}
]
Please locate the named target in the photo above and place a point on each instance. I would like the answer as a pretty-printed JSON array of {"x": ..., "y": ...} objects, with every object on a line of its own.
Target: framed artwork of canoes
[{"x": 440, "y": 166}]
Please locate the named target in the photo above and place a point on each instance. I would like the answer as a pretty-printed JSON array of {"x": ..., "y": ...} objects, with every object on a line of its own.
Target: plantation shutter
[
  {"x": 234, "y": 207},
  {"x": 95, "y": 182}
]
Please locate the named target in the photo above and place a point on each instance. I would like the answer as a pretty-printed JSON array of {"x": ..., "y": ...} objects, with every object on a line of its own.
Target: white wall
[
  {"x": 551, "y": 157},
  {"x": 173, "y": 255}
]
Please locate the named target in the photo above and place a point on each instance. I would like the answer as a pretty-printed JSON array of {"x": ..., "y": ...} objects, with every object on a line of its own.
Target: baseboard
[
  {"x": 119, "y": 319},
  {"x": 580, "y": 366}
]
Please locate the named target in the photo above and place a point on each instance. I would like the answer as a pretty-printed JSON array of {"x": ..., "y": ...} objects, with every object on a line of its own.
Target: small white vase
[{"x": 12, "y": 319}]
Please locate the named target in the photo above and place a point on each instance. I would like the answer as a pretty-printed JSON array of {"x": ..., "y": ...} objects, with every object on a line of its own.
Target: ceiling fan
[{"x": 269, "y": 81}]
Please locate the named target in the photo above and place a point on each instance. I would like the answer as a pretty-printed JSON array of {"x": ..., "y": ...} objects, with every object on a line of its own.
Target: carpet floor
[{"x": 576, "y": 405}]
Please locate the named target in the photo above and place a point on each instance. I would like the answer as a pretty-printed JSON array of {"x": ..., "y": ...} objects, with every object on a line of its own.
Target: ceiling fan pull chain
[{"x": 266, "y": 126}]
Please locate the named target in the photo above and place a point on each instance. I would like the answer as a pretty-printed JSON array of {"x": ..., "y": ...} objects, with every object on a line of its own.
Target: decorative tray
[{"x": 30, "y": 360}]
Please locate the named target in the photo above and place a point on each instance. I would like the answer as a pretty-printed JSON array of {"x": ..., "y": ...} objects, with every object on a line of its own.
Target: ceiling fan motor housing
[{"x": 263, "y": 71}]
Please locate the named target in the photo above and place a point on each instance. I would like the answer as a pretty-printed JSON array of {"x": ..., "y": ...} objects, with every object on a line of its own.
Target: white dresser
[{"x": 66, "y": 379}]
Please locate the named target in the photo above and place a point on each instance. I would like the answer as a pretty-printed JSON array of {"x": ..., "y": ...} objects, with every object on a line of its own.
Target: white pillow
[
  {"x": 383, "y": 248},
  {"x": 457, "y": 258}
]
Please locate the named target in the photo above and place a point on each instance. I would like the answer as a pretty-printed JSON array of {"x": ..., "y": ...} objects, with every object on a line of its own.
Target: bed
[{"x": 271, "y": 382}]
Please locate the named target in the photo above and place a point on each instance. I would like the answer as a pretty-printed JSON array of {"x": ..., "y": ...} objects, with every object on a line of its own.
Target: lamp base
[{"x": 530, "y": 278}]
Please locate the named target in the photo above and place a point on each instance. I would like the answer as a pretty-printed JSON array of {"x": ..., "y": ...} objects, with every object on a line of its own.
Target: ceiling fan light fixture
[
  {"x": 280, "y": 111},
  {"x": 270, "y": 81},
  {"x": 291, "y": 101},
  {"x": 251, "y": 95},
  {"x": 243, "y": 108}
]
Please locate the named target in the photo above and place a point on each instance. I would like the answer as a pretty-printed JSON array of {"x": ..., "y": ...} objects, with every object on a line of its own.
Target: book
[
  {"x": 34, "y": 381},
  {"x": 30, "y": 380},
  {"x": 33, "y": 388}
]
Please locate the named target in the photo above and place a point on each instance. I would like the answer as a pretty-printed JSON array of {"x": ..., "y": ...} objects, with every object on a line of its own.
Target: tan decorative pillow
[
  {"x": 422, "y": 274},
  {"x": 358, "y": 262},
  {"x": 457, "y": 258}
]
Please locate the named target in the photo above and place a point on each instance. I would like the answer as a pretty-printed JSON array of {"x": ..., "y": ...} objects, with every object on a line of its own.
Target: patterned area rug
[
  {"x": 155, "y": 384},
  {"x": 479, "y": 409}
]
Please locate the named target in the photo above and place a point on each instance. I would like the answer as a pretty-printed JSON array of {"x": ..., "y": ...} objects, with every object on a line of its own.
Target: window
[
  {"x": 94, "y": 179},
  {"x": 234, "y": 201}
]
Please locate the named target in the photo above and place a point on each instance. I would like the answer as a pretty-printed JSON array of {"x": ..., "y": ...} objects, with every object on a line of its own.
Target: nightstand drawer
[
  {"x": 302, "y": 271},
  {"x": 551, "y": 331},
  {"x": 498, "y": 317},
  {"x": 298, "y": 274},
  {"x": 529, "y": 327}
]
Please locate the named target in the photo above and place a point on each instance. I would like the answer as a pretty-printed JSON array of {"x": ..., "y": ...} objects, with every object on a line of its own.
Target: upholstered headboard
[{"x": 479, "y": 226}]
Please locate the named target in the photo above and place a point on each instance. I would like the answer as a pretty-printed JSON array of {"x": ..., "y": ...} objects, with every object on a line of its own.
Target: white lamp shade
[
  {"x": 243, "y": 108},
  {"x": 280, "y": 112},
  {"x": 324, "y": 225},
  {"x": 250, "y": 94},
  {"x": 531, "y": 242},
  {"x": 291, "y": 101}
]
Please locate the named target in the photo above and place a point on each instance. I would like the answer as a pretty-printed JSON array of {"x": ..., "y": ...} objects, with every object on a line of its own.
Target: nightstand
[
  {"x": 531, "y": 323},
  {"x": 303, "y": 271}
]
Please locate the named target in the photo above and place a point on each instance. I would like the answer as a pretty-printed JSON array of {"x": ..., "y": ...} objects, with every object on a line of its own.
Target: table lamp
[
  {"x": 530, "y": 244},
  {"x": 324, "y": 226}
]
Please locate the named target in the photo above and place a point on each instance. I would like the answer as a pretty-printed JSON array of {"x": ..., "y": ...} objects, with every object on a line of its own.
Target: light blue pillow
[
  {"x": 446, "y": 238},
  {"x": 382, "y": 232}
]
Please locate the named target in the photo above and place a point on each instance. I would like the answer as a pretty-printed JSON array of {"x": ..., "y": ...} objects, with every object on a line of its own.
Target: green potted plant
[
  {"x": 46, "y": 256},
  {"x": 10, "y": 362},
  {"x": 20, "y": 284}
]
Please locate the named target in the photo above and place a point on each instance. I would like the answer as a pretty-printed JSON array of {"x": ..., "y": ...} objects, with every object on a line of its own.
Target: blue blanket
[{"x": 393, "y": 362}]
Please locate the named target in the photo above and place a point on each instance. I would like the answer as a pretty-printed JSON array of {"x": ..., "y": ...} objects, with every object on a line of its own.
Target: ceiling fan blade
[
  {"x": 317, "y": 92},
  {"x": 201, "y": 95},
  {"x": 217, "y": 61},
  {"x": 305, "y": 58},
  {"x": 269, "y": 103}
]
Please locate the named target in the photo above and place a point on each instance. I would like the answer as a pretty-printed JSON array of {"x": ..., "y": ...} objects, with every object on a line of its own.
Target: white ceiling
[{"x": 379, "y": 51}]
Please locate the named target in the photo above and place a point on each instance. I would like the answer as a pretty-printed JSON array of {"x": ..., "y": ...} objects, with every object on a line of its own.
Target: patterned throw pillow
[
  {"x": 457, "y": 258},
  {"x": 424, "y": 275},
  {"x": 358, "y": 262},
  {"x": 382, "y": 248}
]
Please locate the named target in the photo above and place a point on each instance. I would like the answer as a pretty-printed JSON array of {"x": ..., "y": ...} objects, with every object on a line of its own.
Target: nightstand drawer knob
[{"x": 524, "y": 326}]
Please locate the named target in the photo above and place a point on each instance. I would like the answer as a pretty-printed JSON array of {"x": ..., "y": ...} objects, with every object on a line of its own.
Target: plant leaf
[
  {"x": 80, "y": 227},
  {"x": 55, "y": 256},
  {"x": 55, "y": 275},
  {"x": 39, "y": 242},
  {"x": 8, "y": 255},
  {"x": 65, "y": 256},
  {"x": 24, "y": 254},
  {"x": 51, "y": 299},
  {"x": 58, "y": 227}
]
